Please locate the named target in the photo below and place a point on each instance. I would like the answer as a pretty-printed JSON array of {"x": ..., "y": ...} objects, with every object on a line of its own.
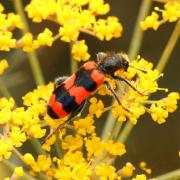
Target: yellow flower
[
  {"x": 80, "y": 51},
  {"x": 43, "y": 92},
  {"x": 19, "y": 171},
  {"x": 43, "y": 163},
  {"x": 140, "y": 177},
  {"x": 69, "y": 32},
  {"x": 72, "y": 143},
  {"x": 47, "y": 145},
  {"x": 94, "y": 146},
  {"x": 108, "y": 28},
  {"x": 170, "y": 102},
  {"x": 6, "y": 41},
  {"x": 115, "y": 148},
  {"x": 18, "y": 116},
  {"x": 81, "y": 171},
  {"x": 63, "y": 172},
  {"x": 14, "y": 20},
  {"x": 28, "y": 159},
  {"x": 158, "y": 114},
  {"x": 87, "y": 19},
  {"x": 96, "y": 107},
  {"x": 171, "y": 13},
  {"x": 79, "y": 2},
  {"x": 84, "y": 126},
  {"x": 17, "y": 136},
  {"x": 45, "y": 38},
  {"x": 151, "y": 22},
  {"x": 36, "y": 131},
  {"x": 106, "y": 172},
  {"x": 39, "y": 10},
  {"x": 6, "y": 148},
  {"x": 98, "y": 7},
  {"x": 27, "y": 43},
  {"x": 71, "y": 159},
  {"x": 159, "y": 110},
  {"x": 6, "y": 103},
  {"x": 1, "y": 8},
  {"x": 5, "y": 116},
  {"x": 127, "y": 170},
  {"x": 3, "y": 66},
  {"x": 143, "y": 166}
]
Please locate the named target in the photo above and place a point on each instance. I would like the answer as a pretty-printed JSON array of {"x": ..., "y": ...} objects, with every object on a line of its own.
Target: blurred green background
[{"x": 158, "y": 145}]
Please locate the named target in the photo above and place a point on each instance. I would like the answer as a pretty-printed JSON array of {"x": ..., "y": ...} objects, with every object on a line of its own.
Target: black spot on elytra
[{"x": 83, "y": 78}]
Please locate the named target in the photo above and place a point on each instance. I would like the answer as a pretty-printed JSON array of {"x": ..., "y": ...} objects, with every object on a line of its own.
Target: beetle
[{"x": 70, "y": 93}]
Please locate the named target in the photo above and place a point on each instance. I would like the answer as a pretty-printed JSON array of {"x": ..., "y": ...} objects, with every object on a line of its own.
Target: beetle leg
[
  {"x": 70, "y": 119},
  {"x": 119, "y": 78},
  {"x": 108, "y": 85}
]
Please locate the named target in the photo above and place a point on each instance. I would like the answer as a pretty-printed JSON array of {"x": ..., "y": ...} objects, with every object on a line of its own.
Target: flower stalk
[
  {"x": 32, "y": 56},
  {"x": 169, "y": 47}
]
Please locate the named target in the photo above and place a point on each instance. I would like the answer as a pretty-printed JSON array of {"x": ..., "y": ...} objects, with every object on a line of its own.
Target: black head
[{"x": 111, "y": 62}]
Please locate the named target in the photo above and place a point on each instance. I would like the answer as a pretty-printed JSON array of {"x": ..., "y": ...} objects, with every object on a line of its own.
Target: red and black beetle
[{"x": 70, "y": 93}]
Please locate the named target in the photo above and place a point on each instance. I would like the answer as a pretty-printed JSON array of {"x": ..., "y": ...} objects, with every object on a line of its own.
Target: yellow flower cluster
[
  {"x": 43, "y": 39},
  {"x": 160, "y": 109},
  {"x": 8, "y": 22},
  {"x": 135, "y": 102},
  {"x": 74, "y": 17},
  {"x": 127, "y": 170},
  {"x": 22, "y": 123},
  {"x": 170, "y": 13}
]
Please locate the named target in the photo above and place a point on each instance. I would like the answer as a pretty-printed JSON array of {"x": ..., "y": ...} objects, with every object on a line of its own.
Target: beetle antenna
[{"x": 142, "y": 70}]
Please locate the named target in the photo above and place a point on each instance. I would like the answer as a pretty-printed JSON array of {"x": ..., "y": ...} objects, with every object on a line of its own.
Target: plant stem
[
  {"x": 33, "y": 60},
  {"x": 173, "y": 175},
  {"x": 11, "y": 166},
  {"x": 125, "y": 132},
  {"x": 74, "y": 64},
  {"x": 3, "y": 89},
  {"x": 58, "y": 148},
  {"x": 18, "y": 154},
  {"x": 32, "y": 56},
  {"x": 37, "y": 146},
  {"x": 138, "y": 33},
  {"x": 169, "y": 47},
  {"x": 116, "y": 129}
]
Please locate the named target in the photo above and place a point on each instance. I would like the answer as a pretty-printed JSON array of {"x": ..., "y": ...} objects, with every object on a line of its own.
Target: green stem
[
  {"x": 33, "y": 60},
  {"x": 173, "y": 175},
  {"x": 37, "y": 146},
  {"x": 116, "y": 130},
  {"x": 74, "y": 64},
  {"x": 11, "y": 166},
  {"x": 58, "y": 148},
  {"x": 125, "y": 132},
  {"x": 3, "y": 89},
  {"x": 109, "y": 124},
  {"x": 169, "y": 47},
  {"x": 18, "y": 154},
  {"x": 138, "y": 33}
]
